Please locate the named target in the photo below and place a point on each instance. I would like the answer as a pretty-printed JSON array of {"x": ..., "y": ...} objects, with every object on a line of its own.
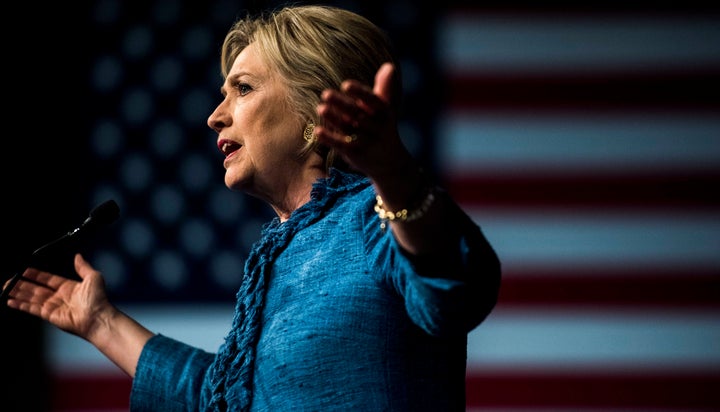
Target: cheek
[
  {"x": 269, "y": 128},
  {"x": 255, "y": 120},
  {"x": 279, "y": 129}
]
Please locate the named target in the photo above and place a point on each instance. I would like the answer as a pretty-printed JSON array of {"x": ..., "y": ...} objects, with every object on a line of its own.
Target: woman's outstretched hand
[
  {"x": 360, "y": 123},
  {"x": 82, "y": 308},
  {"x": 71, "y": 305}
]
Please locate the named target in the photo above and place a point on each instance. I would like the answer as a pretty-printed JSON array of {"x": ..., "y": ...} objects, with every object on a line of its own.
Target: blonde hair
[{"x": 312, "y": 48}]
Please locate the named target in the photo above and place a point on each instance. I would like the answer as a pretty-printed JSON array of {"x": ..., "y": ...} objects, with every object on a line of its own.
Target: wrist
[{"x": 415, "y": 207}]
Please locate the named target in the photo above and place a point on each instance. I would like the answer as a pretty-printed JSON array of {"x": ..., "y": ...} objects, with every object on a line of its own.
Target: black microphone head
[
  {"x": 104, "y": 214},
  {"x": 51, "y": 253}
]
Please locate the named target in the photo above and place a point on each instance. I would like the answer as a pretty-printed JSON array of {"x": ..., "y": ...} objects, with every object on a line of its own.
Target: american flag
[
  {"x": 585, "y": 140},
  {"x": 587, "y": 145}
]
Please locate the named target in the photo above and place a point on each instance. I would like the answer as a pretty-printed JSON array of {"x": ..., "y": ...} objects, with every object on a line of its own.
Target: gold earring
[{"x": 308, "y": 134}]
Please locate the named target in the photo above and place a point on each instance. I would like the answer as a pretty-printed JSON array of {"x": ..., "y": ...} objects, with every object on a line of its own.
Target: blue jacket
[{"x": 349, "y": 322}]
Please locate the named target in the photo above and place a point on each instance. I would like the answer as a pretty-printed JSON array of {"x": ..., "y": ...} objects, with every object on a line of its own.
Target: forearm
[{"x": 121, "y": 339}]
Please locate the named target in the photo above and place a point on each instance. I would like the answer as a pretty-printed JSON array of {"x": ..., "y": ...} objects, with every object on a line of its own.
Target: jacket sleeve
[
  {"x": 448, "y": 292},
  {"x": 169, "y": 376}
]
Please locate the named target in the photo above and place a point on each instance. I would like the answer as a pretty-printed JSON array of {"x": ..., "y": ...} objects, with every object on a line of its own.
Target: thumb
[
  {"x": 82, "y": 267},
  {"x": 384, "y": 79}
]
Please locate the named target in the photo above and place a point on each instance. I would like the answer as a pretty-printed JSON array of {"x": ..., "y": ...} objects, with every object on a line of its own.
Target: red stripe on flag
[
  {"x": 485, "y": 389},
  {"x": 688, "y": 287},
  {"x": 682, "y": 89},
  {"x": 94, "y": 392},
  {"x": 624, "y": 389},
  {"x": 572, "y": 190}
]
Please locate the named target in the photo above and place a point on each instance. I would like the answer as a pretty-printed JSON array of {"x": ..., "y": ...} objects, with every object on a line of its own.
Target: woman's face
[{"x": 258, "y": 132}]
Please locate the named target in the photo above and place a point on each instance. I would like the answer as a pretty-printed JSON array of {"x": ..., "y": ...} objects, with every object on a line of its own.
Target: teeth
[{"x": 225, "y": 147}]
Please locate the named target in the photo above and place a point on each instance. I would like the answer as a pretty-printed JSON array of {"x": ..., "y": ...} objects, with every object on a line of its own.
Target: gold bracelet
[{"x": 405, "y": 215}]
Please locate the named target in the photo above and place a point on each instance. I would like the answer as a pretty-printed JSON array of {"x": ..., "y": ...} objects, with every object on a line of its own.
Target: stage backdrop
[{"x": 585, "y": 141}]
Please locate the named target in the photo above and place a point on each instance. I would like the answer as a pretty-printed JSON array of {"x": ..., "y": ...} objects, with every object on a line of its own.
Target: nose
[{"x": 219, "y": 118}]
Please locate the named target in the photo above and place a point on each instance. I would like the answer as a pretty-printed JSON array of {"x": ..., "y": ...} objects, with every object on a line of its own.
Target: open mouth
[{"x": 228, "y": 147}]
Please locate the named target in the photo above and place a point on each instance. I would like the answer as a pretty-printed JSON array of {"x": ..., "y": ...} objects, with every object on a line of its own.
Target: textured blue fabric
[{"x": 348, "y": 321}]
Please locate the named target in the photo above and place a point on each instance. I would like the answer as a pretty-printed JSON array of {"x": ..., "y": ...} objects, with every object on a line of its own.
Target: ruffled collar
[{"x": 324, "y": 194}]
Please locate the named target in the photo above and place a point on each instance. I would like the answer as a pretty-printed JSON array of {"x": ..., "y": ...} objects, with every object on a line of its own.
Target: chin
[
  {"x": 234, "y": 182},
  {"x": 231, "y": 181}
]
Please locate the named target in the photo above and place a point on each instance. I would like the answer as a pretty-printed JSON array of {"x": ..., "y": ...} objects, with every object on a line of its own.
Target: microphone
[{"x": 101, "y": 216}]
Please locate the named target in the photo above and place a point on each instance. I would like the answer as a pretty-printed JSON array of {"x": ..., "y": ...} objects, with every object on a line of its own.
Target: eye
[{"x": 242, "y": 88}]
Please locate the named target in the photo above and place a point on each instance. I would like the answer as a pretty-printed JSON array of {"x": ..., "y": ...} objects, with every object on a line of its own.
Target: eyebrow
[
  {"x": 235, "y": 76},
  {"x": 229, "y": 80}
]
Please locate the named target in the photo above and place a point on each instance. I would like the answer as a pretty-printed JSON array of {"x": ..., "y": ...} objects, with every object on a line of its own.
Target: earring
[{"x": 308, "y": 134}]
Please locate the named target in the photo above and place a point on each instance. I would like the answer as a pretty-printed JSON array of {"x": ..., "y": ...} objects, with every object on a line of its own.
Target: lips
[{"x": 228, "y": 147}]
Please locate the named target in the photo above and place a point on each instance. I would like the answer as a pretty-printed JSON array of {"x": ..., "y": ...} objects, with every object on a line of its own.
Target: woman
[{"x": 359, "y": 295}]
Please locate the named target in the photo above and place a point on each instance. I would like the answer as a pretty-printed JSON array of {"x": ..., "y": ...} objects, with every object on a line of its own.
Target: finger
[
  {"x": 43, "y": 278},
  {"x": 24, "y": 306},
  {"x": 382, "y": 92},
  {"x": 340, "y": 110},
  {"x": 364, "y": 101},
  {"x": 31, "y": 292},
  {"x": 384, "y": 79},
  {"x": 375, "y": 103},
  {"x": 333, "y": 138},
  {"x": 37, "y": 308},
  {"x": 29, "y": 297},
  {"x": 10, "y": 284},
  {"x": 331, "y": 114}
]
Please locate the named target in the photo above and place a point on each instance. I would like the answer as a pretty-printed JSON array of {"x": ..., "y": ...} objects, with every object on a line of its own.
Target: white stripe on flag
[
  {"x": 555, "y": 340},
  {"x": 511, "y": 142},
  {"x": 516, "y": 43},
  {"x": 599, "y": 240}
]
